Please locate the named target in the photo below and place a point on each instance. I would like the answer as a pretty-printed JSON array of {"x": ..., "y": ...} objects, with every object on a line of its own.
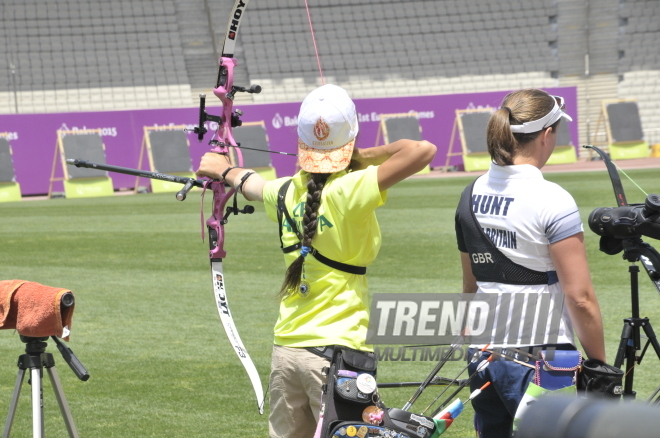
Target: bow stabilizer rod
[{"x": 188, "y": 183}]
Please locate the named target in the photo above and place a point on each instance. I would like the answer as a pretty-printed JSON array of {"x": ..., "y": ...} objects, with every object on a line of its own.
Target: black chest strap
[
  {"x": 282, "y": 211},
  {"x": 488, "y": 262}
]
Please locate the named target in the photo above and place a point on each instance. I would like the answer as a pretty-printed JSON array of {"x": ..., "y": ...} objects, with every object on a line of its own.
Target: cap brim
[{"x": 314, "y": 160}]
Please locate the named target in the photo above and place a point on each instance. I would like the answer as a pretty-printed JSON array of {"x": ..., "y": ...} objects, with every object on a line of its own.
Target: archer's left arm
[
  {"x": 569, "y": 257},
  {"x": 469, "y": 280},
  {"x": 215, "y": 166}
]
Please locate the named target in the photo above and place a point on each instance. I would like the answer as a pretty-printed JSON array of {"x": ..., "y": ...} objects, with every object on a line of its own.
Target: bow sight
[
  {"x": 235, "y": 121},
  {"x": 225, "y": 78}
]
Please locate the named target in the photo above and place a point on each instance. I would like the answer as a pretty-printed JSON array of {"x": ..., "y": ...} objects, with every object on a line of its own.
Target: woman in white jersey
[
  {"x": 324, "y": 300},
  {"x": 535, "y": 243}
]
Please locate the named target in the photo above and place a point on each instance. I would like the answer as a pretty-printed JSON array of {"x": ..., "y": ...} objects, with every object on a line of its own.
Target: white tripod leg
[
  {"x": 37, "y": 403},
  {"x": 61, "y": 401},
  {"x": 14, "y": 403}
]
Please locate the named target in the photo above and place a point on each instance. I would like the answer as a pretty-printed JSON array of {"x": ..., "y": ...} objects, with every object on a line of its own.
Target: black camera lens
[
  {"x": 651, "y": 205},
  {"x": 598, "y": 218},
  {"x": 630, "y": 221},
  {"x": 67, "y": 300}
]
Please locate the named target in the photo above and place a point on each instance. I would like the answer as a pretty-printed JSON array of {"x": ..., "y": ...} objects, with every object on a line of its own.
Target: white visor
[{"x": 548, "y": 120}]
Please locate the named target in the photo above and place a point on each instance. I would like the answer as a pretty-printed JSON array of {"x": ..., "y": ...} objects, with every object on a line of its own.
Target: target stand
[
  {"x": 394, "y": 127},
  {"x": 168, "y": 151},
  {"x": 470, "y": 125},
  {"x": 10, "y": 190},
  {"x": 623, "y": 129},
  {"x": 80, "y": 183}
]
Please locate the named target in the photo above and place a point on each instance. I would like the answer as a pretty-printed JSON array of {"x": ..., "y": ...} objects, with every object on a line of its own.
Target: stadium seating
[{"x": 76, "y": 55}]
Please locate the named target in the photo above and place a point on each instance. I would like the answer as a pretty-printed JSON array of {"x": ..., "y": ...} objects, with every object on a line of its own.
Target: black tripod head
[
  {"x": 34, "y": 346},
  {"x": 636, "y": 250}
]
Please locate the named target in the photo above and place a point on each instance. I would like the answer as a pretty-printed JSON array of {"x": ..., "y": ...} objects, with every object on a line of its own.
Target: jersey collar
[{"x": 518, "y": 171}]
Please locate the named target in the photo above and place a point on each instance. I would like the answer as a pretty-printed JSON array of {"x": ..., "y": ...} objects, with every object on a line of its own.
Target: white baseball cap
[{"x": 327, "y": 127}]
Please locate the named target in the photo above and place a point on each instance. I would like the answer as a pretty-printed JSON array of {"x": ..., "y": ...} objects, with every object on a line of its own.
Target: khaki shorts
[{"x": 295, "y": 392}]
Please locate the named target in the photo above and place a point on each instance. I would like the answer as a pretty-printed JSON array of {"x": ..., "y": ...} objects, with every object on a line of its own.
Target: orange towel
[{"x": 34, "y": 309}]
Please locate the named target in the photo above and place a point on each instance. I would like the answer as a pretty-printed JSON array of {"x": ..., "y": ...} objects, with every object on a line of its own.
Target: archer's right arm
[{"x": 396, "y": 161}]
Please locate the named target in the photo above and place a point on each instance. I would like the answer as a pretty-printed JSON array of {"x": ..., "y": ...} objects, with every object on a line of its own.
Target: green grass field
[{"x": 147, "y": 329}]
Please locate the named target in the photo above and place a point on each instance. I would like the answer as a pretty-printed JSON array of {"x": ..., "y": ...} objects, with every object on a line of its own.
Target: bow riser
[
  {"x": 224, "y": 136},
  {"x": 216, "y": 230},
  {"x": 222, "y": 92}
]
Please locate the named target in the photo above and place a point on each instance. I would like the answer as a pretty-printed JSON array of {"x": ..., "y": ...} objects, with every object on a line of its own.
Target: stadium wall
[{"x": 34, "y": 136}]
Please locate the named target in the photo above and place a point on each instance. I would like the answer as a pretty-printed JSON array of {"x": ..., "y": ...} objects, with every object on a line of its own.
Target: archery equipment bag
[
  {"x": 351, "y": 393},
  {"x": 393, "y": 423},
  {"x": 343, "y": 398}
]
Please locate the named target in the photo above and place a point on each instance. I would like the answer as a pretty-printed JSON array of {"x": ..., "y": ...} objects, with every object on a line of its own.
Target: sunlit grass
[{"x": 147, "y": 329}]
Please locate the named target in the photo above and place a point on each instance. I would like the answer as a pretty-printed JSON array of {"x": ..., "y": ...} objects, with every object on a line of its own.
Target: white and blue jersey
[{"x": 523, "y": 214}]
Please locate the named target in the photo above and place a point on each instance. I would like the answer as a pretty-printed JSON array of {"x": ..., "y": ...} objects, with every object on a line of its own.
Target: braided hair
[{"x": 309, "y": 226}]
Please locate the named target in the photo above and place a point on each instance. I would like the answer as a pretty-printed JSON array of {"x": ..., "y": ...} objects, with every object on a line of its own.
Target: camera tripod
[
  {"x": 635, "y": 250},
  {"x": 35, "y": 360}
]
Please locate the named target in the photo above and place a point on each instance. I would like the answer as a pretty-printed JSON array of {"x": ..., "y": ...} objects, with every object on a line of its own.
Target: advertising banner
[{"x": 33, "y": 137}]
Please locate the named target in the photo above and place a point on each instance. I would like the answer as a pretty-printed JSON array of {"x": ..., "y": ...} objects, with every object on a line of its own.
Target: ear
[{"x": 547, "y": 132}]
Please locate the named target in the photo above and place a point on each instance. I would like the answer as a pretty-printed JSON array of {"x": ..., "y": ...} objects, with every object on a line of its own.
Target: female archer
[
  {"x": 329, "y": 236},
  {"x": 544, "y": 253}
]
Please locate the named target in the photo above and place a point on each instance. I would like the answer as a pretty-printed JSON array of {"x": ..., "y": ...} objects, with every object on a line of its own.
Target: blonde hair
[
  {"x": 292, "y": 278},
  {"x": 517, "y": 108}
]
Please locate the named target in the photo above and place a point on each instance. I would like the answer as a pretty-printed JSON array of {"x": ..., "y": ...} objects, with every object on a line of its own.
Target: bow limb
[
  {"x": 614, "y": 176},
  {"x": 217, "y": 253},
  {"x": 222, "y": 141},
  {"x": 232, "y": 333}
]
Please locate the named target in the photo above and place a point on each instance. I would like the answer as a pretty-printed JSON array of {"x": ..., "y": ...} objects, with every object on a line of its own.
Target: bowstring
[
  {"x": 631, "y": 180},
  {"x": 316, "y": 50}
]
